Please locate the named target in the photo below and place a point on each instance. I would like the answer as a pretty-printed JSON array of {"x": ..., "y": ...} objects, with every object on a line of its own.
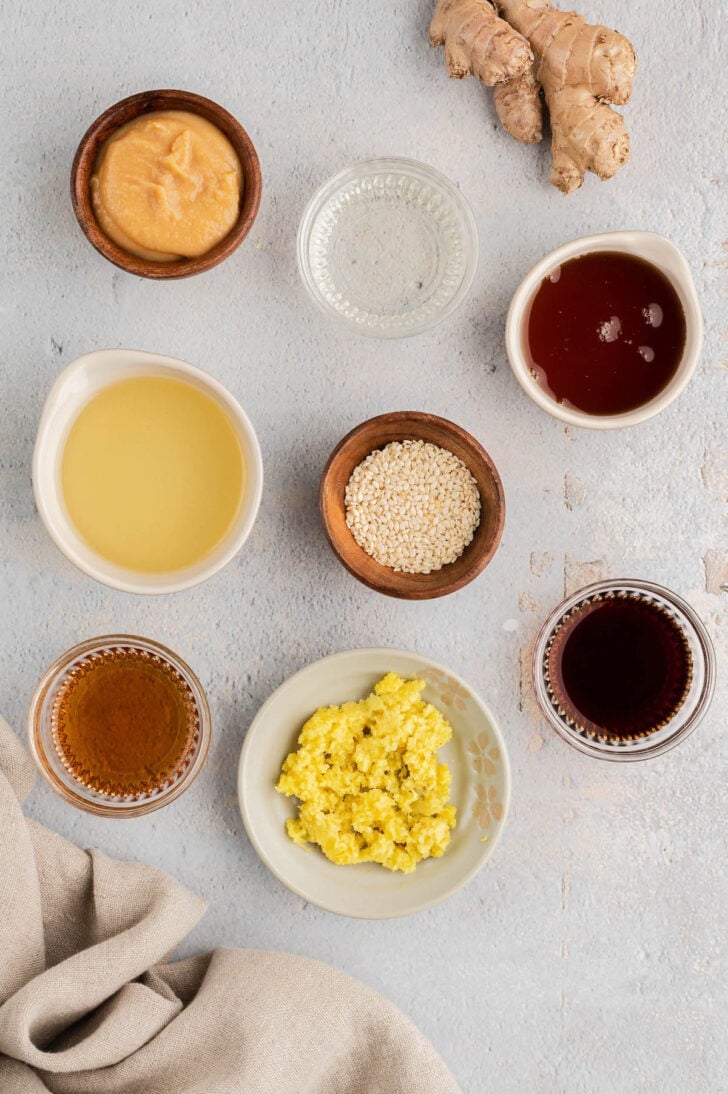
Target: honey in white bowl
[
  {"x": 152, "y": 474},
  {"x": 606, "y": 333}
]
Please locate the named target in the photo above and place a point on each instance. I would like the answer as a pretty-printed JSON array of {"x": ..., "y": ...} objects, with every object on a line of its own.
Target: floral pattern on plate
[
  {"x": 485, "y": 758},
  {"x": 449, "y": 692},
  {"x": 484, "y": 752}
]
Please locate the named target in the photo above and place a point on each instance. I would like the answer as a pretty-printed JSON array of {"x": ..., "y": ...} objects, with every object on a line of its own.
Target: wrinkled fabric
[{"x": 89, "y": 1003}]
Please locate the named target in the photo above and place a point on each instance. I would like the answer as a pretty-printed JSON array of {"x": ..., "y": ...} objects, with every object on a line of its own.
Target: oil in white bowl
[{"x": 152, "y": 474}]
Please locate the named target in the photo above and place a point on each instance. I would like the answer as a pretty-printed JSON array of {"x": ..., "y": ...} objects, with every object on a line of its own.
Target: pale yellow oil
[{"x": 152, "y": 474}]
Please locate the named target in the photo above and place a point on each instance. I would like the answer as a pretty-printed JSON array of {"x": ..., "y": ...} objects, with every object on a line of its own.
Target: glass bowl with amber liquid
[
  {"x": 624, "y": 670},
  {"x": 119, "y": 726}
]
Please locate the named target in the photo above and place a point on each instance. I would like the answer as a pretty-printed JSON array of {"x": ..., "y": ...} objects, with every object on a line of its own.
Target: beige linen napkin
[{"x": 88, "y": 1005}]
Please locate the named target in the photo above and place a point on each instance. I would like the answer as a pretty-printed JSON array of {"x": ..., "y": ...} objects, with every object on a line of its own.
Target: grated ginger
[{"x": 368, "y": 779}]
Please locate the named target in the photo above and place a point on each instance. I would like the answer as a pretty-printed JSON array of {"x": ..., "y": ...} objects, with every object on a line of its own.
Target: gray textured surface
[{"x": 587, "y": 956}]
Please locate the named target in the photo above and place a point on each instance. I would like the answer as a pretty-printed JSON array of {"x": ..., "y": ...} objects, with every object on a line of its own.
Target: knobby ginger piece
[
  {"x": 581, "y": 69},
  {"x": 477, "y": 42},
  {"x": 518, "y": 105}
]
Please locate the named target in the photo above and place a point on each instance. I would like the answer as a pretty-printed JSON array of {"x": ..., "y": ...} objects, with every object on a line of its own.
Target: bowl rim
[
  {"x": 646, "y": 748},
  {"x": 482, "y": 560},
  {"x": 656, "y": 249},
  {"x": 366, "y": 167},
  {"x": 330, "y": 660},
  {"x": 150, "y": 102},
  {"x": 77, "y": 798},
  {"x": 50, "y": 437}
]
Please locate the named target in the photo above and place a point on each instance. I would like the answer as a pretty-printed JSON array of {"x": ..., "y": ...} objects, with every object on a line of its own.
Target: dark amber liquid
[
  {"x": 620, "y": 667},
  {"x": 605, "y": 333},
  {"x": 124, "y": 722}
]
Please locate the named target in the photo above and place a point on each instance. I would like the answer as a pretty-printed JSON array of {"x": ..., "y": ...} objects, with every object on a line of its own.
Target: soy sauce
[
  {"x": 619, "y": 666},
  {"x": 606, "y": 333}
]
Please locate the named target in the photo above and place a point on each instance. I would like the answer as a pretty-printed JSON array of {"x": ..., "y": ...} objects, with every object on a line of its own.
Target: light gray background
[{"x": 587, "y": 956}]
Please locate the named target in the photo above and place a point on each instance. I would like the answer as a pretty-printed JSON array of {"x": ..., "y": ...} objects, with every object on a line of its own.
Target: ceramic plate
[{"x": 480, "y": 786}]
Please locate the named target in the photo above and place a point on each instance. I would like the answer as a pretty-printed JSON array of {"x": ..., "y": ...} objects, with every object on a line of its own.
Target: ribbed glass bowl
[
  {"x": 686, "y": 716},
  {"x": 388, "y": 247},
  {"x": 50, "y": 762}
]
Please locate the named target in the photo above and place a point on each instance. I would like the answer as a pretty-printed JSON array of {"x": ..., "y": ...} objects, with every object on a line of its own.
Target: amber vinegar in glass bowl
[{"x": 119, "y": 726}]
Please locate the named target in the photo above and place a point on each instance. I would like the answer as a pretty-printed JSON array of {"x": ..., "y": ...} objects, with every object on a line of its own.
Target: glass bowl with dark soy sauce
[{"x": 624, "y": 670}]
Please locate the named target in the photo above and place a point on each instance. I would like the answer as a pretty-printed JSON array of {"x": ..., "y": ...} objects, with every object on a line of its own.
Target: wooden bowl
[
  {"x": 147, "y": 102},
  {"x": 400, "y": 426}
]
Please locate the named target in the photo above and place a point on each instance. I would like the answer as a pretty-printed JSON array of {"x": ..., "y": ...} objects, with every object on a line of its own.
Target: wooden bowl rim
[
  {"x": 398, "y": 584},
  {"x": 149, "y": 102}
]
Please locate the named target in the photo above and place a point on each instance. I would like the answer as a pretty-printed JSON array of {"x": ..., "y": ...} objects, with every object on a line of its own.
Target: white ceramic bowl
[
  {"x": 654, "y": 248},
  {"x": 81, "y": 380},
  {"x": 480, "y": 790}
]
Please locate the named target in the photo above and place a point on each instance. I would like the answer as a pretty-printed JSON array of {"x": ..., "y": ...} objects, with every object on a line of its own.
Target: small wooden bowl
[
  {"x": 401, "y": 426},
  {"x": 147, "y": 102}
]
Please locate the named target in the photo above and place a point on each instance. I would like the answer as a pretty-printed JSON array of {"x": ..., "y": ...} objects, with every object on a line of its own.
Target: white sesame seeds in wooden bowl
[{"x": 412, "y": 505}]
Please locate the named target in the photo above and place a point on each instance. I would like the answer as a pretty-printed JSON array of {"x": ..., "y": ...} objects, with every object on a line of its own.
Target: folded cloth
[{"x": 89, "y": 1005}]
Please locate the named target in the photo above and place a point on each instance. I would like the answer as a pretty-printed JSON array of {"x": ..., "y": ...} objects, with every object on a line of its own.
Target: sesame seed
[{"x": 412, "y": 506}]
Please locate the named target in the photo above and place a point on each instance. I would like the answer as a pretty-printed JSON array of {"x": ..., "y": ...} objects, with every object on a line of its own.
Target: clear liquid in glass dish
[{"x": 389, "y": 247}]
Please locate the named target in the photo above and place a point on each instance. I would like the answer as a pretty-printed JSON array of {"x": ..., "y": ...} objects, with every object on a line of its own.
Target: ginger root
[
  {"x": 518, "y": 105},
  {"x": 477, "y": 42},
  {"x": 580, "y": 69}
]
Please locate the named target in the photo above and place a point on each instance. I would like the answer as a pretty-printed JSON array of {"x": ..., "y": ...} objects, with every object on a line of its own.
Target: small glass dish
[
  {"x": 694, "y": 701},
  {"x": 389, "y": 247},
  {"x": 42, "y": 727}
]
